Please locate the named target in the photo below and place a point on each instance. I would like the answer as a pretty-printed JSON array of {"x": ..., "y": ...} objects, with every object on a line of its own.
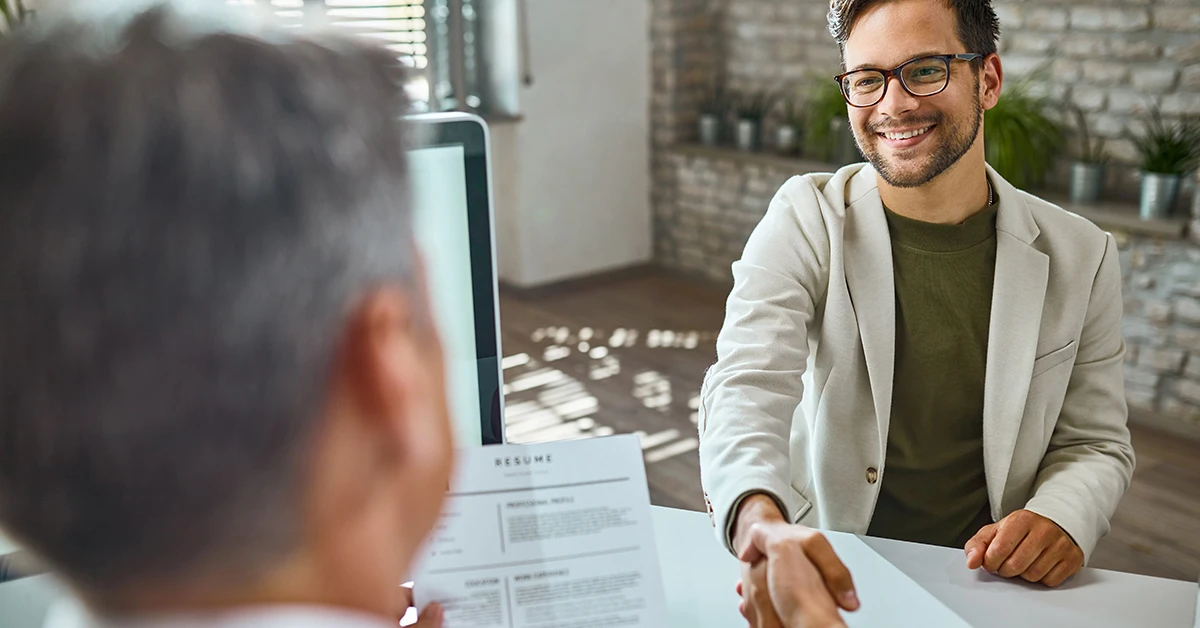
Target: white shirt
[{"x": 276, "y": 616}]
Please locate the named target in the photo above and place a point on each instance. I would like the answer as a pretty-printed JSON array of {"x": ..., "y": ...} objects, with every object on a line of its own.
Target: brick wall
[
  {"x": 717, "y": 201},
  {"x": 1162, "y": 328}
]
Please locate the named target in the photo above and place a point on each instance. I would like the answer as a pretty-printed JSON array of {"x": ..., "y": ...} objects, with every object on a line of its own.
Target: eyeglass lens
[{"x": 921, "y": 77}]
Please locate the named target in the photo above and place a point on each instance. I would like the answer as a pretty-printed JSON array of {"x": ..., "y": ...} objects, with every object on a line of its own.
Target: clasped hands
[{"x": 791, "y": 577}]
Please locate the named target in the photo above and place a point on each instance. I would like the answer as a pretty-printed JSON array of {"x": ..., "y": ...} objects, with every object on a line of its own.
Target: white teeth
[{"x": 907, "y": 134}]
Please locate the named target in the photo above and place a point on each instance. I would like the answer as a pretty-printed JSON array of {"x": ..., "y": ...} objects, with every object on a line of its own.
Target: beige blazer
[{"x": 798, "y": 402}]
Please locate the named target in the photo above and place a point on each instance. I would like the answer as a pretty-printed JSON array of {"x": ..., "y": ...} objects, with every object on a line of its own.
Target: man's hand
[
  {"x": 805, "y": 581},
  {"x": 756, "y": 603},
  {"x": 1025, "y": 544},
  {"x": 431, "y": 616}
]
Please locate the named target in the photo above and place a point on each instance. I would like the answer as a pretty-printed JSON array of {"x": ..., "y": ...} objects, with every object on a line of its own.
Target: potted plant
[
  {"x": 13, "y": 13},
  {"x": 751, "y": 109},
  {"x": 713, "y": 112},
  {"x": 829, "y": 136},
  {"x": 788, "y": 133},
  {"x": 1168, "y": 151},
  {"x": 1087, "y": 171},
  {"x": 1021, "y": 141}
]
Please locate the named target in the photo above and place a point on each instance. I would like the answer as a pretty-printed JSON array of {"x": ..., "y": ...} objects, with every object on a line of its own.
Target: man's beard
[{"x": 955, "y": 143}]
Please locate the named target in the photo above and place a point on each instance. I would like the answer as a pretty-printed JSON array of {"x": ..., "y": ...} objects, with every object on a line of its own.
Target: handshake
[{"x": 791, "y": 576}]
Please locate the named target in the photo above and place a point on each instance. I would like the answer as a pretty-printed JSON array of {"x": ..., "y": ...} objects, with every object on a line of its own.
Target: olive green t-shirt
[{"x": 933, "y": 488}]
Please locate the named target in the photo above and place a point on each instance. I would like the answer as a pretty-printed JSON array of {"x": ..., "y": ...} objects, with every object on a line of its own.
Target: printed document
[{"x": 546, "y": 535}]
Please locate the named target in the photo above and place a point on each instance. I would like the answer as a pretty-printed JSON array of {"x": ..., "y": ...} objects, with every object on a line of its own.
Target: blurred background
[{"x": 636, "y": 143}]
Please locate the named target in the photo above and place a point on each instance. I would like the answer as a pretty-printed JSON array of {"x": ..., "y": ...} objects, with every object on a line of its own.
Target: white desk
[{"x": 699, "y": 578}]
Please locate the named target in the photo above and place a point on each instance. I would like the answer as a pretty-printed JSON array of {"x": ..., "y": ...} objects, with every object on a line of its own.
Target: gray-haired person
[{"x": 221, "y": 393}]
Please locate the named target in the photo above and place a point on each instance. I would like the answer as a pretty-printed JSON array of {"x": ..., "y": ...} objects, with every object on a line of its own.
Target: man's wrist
[{"x": 759, "y": 507}]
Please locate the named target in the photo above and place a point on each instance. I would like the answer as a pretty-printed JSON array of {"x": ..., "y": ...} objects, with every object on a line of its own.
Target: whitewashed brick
[
  {"x": 1166, "y": 360},
  {"x": 1010, "y": 15},
  {"x": 1145, "y": 400},
  {"x": 1092, "y": 18},
  {"x": 1181, "y": 104},
  {"x": 1158, "y": 312},
  {"x": 1089, "y": 98},
  {"x": 1134, "y": 49},
  {"x": 1190, "y": 79},
  {"x": 1189, "y": 53},
  {"x": 1045, "y": 19},
  {"x": 1180, "y": 410},
  {"x": 1188, "y": 390},
  {"x": 1084, "y": 46},
  {"x": 1156, "y": 80},
  {"x": 1178, "y": 19},
  {"x": 1030, "y": 42},
  {"x": 1105, "y": 72},
  {"x": 1125, "y": 101},
  {"x": 1187, "y": 310},
  {"x": 1142, "y": 378}
]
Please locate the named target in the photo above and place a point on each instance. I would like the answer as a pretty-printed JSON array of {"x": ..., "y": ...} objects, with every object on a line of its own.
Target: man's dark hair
[
  {"x": 978, "y": 26},
  {"x": 185, "y": 220}
]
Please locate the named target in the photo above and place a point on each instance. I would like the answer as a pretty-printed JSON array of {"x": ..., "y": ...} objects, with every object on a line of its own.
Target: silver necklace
[{"x": 991, "y": 194}]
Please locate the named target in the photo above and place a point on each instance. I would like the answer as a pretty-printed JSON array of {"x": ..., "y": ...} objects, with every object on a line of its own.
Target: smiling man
[{"x": 914, "y": 348}]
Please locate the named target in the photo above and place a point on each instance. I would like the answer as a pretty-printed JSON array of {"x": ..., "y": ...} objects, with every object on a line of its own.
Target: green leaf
[{"x": 1021, "y": 141}]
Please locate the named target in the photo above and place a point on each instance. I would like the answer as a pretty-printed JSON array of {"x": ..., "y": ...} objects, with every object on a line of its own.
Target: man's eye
[{"x": 866, "y": 83}]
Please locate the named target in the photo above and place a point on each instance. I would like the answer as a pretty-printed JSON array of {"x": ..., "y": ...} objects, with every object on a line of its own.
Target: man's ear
[
  {"x": 991, "y": 82},
  {"x": 381, "y": 364}
]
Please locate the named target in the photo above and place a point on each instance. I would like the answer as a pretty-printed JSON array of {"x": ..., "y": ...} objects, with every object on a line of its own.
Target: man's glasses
[{"x": 925, "y": 76}]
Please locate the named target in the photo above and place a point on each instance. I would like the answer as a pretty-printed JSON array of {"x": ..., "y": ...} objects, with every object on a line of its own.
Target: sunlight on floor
[{"x": 547, "y": 396}]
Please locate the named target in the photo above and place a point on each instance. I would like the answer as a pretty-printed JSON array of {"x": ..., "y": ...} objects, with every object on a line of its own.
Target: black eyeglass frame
[{"x": 898, "y": 73}]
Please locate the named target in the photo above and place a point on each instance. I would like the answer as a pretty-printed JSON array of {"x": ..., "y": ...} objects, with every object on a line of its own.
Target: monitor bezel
[{"x": 470, "y": 132}]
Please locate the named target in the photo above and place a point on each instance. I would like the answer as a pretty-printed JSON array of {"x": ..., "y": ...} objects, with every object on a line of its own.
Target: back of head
[{"x": 184, "y": 217}]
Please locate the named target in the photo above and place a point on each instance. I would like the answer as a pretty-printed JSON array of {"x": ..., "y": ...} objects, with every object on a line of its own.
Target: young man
[
  {"x": 223, "y": 400},
  {"x": 914, "y": 348}
]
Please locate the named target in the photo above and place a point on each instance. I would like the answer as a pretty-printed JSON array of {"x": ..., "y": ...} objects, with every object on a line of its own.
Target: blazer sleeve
[
  {"x": 1090, "y": 460},
  {"x": 751, "y": 395}
]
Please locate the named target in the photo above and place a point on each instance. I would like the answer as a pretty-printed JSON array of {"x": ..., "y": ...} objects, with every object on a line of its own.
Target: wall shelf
[{"x": 1110, "y": 215}]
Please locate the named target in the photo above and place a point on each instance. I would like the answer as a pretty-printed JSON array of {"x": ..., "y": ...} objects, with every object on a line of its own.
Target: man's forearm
[{"x": 755, "y": 508}]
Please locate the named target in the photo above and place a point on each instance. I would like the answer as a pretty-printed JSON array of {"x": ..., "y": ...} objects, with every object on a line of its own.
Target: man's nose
[{"x": 897, "y": 101}]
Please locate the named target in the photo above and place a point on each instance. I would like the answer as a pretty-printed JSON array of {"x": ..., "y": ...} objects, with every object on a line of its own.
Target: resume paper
[{"x": 546, "y": 535}]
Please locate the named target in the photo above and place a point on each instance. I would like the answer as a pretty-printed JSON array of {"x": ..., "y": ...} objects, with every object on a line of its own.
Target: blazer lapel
[
  {"x": 869, "y": 277},
  {"x": 1018, "y": 292}
]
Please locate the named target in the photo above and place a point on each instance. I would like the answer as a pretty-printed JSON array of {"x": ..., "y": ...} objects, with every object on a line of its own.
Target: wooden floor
[{"x": 627, "y": 355}]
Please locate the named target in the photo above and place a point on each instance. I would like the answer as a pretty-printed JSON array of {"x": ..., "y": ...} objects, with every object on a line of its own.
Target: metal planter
[
  {"x": 1159, "y": 192},
  {"x": 1087, "y": 182},
  {"x": 746, "y": 136},
  {"x": 710, "y": 129},
  {"x": 787, "y": 139}
]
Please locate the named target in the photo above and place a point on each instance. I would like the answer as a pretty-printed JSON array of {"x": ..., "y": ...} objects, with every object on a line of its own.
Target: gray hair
[{"x": 185, "y": 221}]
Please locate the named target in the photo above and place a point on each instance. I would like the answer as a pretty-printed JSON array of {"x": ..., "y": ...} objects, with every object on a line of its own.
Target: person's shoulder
[
  {"x": 1061, "y": 224},
  {"x": 823, "y": 192}
]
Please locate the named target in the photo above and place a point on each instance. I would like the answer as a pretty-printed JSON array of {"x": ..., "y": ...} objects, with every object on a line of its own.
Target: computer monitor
[{"x": 451, "y": 182}]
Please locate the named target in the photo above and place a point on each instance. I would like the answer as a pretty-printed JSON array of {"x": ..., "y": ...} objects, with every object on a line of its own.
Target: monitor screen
[
  {"x": 439, "y": 191},
  {"x": 453, "y": 224}
]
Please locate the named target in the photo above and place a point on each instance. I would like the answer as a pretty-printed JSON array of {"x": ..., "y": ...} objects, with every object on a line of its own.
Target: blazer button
[{"x": 872, "y": 475}]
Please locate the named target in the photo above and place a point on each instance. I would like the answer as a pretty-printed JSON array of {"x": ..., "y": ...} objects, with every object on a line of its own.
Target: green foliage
[
  {"x": 1020, "y": 140},
  {"x": 754, "y": 105},
  {"x": 14, "y": 13},
  {"x": 1168, "y": 148},
  {"x": 1091, "y": 150},
  {"x": 825, "y": 102}
]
